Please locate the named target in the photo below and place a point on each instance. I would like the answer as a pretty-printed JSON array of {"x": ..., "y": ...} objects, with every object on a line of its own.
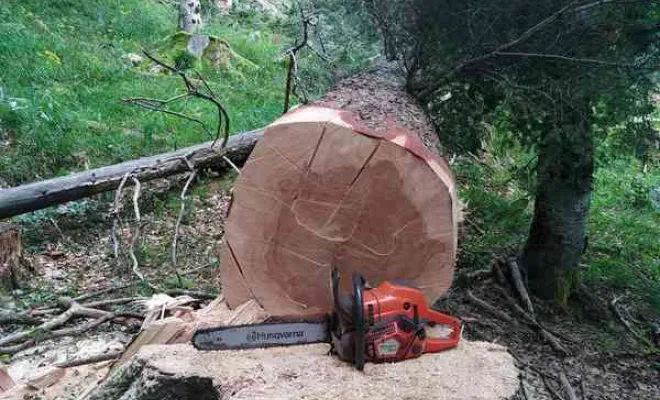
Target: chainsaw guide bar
[{"x": 261, "y": 335}]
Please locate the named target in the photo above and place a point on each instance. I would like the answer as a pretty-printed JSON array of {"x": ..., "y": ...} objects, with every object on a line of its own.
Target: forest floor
[{"x": 70, "y": 249}]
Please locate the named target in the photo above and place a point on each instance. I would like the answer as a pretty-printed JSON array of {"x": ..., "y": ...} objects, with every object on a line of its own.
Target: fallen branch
[
  {"x": 48, "y": 329},
  {"x": 136, "y": 232},
  {"x": 626, "y": 323},
  {"x": 568, "y": 389},
  {"x": 116, "y": 219},
  {"x": 87, "y": 296},
  {"x": 90, "y": 360},
  {"x": 179, "y": 218},
  {"x": 520, "y": 285},
  {"x": 111, "y": 302},
  {"x": 531, "y": 320},
  {"x": 490, "y": 308},
  {"x": 38, "y": 195},
  {"x": 193, "y": 293}
]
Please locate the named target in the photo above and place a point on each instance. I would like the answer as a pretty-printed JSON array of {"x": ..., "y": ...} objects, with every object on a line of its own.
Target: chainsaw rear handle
[{"x": 437, "y": 344}]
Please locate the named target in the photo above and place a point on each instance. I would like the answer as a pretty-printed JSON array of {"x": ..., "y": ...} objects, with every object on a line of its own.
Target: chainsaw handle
[
  {"x": 437, "y": 344},
  {"x": 358, "y": 314}
]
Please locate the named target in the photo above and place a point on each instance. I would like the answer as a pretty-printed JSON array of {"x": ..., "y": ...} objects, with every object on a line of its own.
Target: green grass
[
  {"x": 623, "y": 229},
  {"x": 63, "y": 79}
]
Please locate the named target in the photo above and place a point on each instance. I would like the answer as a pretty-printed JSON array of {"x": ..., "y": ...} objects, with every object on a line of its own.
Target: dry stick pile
[
  {"x": 509, "y": 279},
  {"x": 512, "y": 281}
]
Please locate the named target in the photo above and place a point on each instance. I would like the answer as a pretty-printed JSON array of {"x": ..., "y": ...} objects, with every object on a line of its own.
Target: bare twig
[
  {"x": 568, "y": 389},
  {"x": 231, "y": 164},
  {"x": 57, "y": 228},
  {"x": 638, "y": 336},
  {"x": 550, "y": 389},
  {"x": 194, "y": 293},
  {"x": 520, "y": 285},
  {"x": 182, "y": 211},
  {"x": 111, "y": 302},
  {"x": 136, "y": 231},
  {"x": 490, "y": 308},
  {"x": 87, "y": 296},
  {"x": 116, "y": 219},
  {"x": 547, "y": 335},
  {"x": 192, "y": 91},
  {"x": 90, "y": 360}
]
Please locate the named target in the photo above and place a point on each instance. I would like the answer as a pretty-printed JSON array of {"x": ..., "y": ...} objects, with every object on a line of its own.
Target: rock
[
  {"x": 224, "y": 6},
  {"x": 134, "y": 59},
  {"x": 197, "y": 44},
  {"x": 474, "y": 370}
]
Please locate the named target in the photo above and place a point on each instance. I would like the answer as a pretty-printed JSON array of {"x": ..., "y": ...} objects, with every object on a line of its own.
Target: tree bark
[
  {"x": 190, "y": 15},
  {"x": 38, "y": 195},
  {"x": 10, "y": 256},
  {"x": 557, "y": 237}
]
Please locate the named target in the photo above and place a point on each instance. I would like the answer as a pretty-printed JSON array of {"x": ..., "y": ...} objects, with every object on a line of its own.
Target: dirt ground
[{"x": 72, "y": 253}]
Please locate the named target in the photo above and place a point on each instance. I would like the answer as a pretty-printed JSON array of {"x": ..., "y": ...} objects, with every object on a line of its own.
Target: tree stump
[
  {"x": 473, "y": 370},
  {"x": 10, "y": 256}
]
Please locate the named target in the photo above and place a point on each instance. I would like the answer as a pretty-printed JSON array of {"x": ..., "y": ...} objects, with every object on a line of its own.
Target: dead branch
[
  {"x": 520, "y": 285},
  {"x": 136, "y": 231},
  {"x": 48, "y": 330},
  {"x": 90, "y": 360},
  {"x": 292, "y": 81},
  {"x": 179, "y": 218},
  {"x": 231, "y": 164},
  {"x": 497, "y": 272},
  {"x": 194, "y": 293},
  {"x": 87, "y": 296},
  {"x": 19, "y": 319},
  {"x": 550, "y": 389},
  {"x": 116, "y": 219},
  {"x": 111, "y": 302},
  {"x": 638, "y": 336},
  {"x": 531, "y": 320},
  {"x": 489, "y": 308},
  {"x": 192, "y": 91},
  {"x": 568, "y": 389}
]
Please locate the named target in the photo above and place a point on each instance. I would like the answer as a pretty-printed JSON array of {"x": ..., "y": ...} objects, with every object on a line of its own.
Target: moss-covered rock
[{"x": 187, "y": 51}]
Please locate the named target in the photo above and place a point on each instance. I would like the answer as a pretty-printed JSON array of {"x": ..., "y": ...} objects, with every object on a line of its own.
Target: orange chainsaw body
[{"x": 399, "y": 325}]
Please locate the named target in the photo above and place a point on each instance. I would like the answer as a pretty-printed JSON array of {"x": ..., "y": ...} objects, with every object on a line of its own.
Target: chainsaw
[{"x": 388, "y": 323}]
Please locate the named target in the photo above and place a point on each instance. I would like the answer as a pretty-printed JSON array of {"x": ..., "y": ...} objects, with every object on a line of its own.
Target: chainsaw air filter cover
[{"x": 322, "y": 190}]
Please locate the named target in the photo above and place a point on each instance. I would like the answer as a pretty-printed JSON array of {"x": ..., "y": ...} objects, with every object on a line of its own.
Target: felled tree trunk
[
  {"x": 329, "y": 188},
  {"x": 557, "y": 237},
  {"x": 190, "y": 15},
  {"x": 38, "y": 195},
  {"x": 10, "y": 256}
]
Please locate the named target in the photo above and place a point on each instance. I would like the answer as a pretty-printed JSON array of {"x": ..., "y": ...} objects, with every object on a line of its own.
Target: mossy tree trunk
[
  {"x": 190, "y": 15},
  {"x": 557, "y": 237}
]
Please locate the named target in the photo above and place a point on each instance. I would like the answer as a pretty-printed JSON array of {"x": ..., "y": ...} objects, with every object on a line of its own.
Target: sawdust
[{"x": 473, "y": 370}]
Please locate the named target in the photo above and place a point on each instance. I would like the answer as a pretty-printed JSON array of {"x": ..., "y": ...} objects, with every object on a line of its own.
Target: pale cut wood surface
[{"x": 323, "y": 190}]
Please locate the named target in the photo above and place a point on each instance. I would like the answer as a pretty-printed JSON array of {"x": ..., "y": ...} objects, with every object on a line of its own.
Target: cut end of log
[{"x": 321, "y": 190}]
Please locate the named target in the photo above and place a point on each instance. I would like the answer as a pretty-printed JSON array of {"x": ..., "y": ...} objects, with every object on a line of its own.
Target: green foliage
[{"x": 63, "y": 79}]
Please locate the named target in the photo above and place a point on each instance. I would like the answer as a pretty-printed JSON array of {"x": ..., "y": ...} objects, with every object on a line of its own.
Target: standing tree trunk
[
  {"x": 557, "y": 236},
  {"x": 190, "y": 15}
]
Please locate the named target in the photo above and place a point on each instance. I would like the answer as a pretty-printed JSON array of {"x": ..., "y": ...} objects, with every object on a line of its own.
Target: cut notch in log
[{"x": 38, "y": 195}]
